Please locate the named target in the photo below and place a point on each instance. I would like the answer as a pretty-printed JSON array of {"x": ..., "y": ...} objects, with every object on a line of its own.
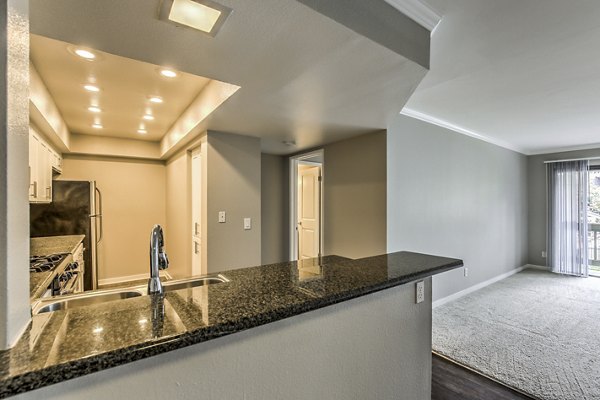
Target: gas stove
[{"x": 45, "y": 263}]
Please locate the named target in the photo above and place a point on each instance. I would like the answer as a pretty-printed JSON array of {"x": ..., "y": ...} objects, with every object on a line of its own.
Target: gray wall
[
  {"x": 274, "y": 208},
  {"x": 354, "y": 190},
  {"x": 374, "y": 347},
  {"x": 537, "y": 199},
  {"x": 233, "y": 179},
  {"x": 452, "y": 195}
]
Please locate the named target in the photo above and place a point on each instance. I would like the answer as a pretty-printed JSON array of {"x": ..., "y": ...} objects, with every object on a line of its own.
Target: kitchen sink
[
  {"x": 85, "y": 299},
  {"x": 193, "y": 282},
  {"x": 103, "y": 296}
]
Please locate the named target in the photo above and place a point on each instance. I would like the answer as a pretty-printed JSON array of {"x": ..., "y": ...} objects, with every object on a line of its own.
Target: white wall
[
  {"x": 14, "y": 171},
  {"x": 374, "y": 347},
  {"x": 452, "y": 195}
]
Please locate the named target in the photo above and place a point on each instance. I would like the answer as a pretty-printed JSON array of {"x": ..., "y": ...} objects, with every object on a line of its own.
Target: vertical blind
[{"x": 567, "y": 217}]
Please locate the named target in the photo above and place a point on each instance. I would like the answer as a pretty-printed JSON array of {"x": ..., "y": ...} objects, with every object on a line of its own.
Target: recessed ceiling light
[
  {"x": 91, "y": 88},
  {"x": 156, "y": 99},
  {"x": 142, "y": 131},
  {"x": 94, "y": 109},
  {"x": 83, "y": 53},
  {"x": 148, "y": 117},
  {"x": 204, "y": 15},
  {"x": 168, "y": 73},
  {"x": 97, "y": 126}
]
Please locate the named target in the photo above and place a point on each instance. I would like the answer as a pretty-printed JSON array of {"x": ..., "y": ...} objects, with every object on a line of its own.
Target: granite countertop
[
  {"x": 66, "y": 344},
  {"x": 45, "y": 246}
]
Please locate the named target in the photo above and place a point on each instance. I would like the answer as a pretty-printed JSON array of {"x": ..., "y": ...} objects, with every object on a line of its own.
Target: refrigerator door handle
[{"x": 99, "y": 215}]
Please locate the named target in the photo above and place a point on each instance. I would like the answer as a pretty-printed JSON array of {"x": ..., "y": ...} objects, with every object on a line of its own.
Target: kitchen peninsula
[{"x": 371, "y": 343}]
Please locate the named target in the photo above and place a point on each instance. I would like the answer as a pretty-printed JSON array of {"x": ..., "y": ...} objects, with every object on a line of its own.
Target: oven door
[{"x": 70, "y": 281}]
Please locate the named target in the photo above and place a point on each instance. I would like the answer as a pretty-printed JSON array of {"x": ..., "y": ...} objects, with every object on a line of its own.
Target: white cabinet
[{"x": 42, "y": 160}]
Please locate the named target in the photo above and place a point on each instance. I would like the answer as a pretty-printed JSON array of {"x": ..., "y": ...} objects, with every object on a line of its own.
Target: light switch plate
[
  {"x": 221, "y": 217},
  {"x": 420, "y": 292},
  {"x": 247, "y": 223}
]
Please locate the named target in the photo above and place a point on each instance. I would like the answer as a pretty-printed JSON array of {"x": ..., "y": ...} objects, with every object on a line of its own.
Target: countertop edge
[{"x": 47, "y": 376}]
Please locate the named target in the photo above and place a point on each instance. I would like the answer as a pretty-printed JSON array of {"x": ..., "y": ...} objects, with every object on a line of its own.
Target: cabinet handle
[
  {"x": 196, "y": 249},
  {"x": 35, "y": 189},
  {"x": 196, "y": 228},
  {"x": 49, "y": 192}
]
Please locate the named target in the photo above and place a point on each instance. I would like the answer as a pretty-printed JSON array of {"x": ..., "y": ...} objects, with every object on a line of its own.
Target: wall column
[{"x": 14, "y": 170}]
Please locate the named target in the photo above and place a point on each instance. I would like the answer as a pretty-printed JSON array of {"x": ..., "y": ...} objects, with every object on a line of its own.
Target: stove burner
[{"x": 45, "y": 263}]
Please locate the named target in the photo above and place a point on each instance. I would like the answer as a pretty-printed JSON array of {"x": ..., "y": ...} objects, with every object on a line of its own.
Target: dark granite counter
[
  {"x": 44, "y": 246},
  {"x": 66, "y": 344}
]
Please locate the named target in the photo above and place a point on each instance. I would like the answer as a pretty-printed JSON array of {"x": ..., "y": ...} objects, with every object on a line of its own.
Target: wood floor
[{"x": 453, "y": 382}]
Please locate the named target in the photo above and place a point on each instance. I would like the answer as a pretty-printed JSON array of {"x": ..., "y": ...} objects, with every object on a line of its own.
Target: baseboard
[
  {"x": 539, "y": 267},
  {"x": 128, "y": 278},
  {"x": 476, "y": 287}
]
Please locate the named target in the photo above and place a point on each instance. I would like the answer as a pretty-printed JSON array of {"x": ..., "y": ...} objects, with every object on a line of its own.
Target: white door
[
  {"x": 309, "y": 211},
  {"x": 196, "y": 212}
]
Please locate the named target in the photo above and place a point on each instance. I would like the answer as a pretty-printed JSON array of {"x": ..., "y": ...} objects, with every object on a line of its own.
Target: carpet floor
[{"x": 535, "y": 331}]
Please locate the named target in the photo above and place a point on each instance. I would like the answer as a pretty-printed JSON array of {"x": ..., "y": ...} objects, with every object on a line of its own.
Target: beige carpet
[{"x": 535, "y": 331}]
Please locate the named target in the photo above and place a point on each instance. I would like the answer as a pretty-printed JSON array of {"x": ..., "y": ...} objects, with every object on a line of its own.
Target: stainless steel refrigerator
[{"x": 76, "y": 209}]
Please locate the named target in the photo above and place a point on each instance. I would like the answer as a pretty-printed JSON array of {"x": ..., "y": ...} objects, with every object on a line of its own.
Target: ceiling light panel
[
  {"x": 168, "y": 73},
  {"x": 91, "y": 88},
  {"x": 203, "y": 15}
]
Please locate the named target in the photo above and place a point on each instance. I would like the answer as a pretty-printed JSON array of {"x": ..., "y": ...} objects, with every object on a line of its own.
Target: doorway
[
  {"x": 196, "y": 180},
  {"x": 306, "y": 205}
]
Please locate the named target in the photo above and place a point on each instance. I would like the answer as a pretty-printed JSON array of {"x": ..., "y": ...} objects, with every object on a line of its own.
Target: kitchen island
[{"x": 302, "y": 340}]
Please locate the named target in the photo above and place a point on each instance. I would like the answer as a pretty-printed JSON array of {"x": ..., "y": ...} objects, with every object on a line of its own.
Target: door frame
[
  {"x": 305, "y": 158},
  {"x": 196, "y": 151}
]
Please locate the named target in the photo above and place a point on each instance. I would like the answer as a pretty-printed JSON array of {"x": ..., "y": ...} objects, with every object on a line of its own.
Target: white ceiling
[
  {"x": 125, "y": 89},
  {"x": 303, "y": 77},
  {"x": 522, "y": 74}
]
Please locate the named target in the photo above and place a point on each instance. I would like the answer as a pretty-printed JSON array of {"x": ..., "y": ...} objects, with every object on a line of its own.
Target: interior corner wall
[
  {"x": 538, "y": 217},
  {"x": 133, "y": 200},
  {"x": 234, "y": 186},
  {"x": 456, "y": 196},
  {"x": 354, "y": 193},
  {"x": 275, "y": 208}
]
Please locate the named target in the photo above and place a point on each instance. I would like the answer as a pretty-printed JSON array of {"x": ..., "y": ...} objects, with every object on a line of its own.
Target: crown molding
[
  {"x": 445, "y": 124},
  {"x": 593, "y": 146},
  {"x": 418, "y": 11}
]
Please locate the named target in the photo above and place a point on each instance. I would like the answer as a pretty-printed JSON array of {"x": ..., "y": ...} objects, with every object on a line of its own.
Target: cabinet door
[
  {"x": 33, "y": 167},
  {"x": 45, "y": 171}
]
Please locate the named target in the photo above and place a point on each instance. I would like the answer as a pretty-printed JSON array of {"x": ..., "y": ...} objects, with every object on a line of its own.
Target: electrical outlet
[
  {"x": 420, "y": 292},
  {"x": 466, "y": 271},
  {"x": 544, "y": 254},
  {"x": 222, "y": 217}
]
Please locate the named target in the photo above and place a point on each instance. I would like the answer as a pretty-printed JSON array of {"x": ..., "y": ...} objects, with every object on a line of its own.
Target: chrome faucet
[{"x": 158, "y": 259}]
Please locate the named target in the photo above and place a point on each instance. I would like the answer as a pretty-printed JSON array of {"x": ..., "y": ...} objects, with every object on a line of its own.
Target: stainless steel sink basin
[
  {"x": 103, "y": 296},
  {"x": 193, "y": 282},
  {"x": 85, "y": 299}
]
